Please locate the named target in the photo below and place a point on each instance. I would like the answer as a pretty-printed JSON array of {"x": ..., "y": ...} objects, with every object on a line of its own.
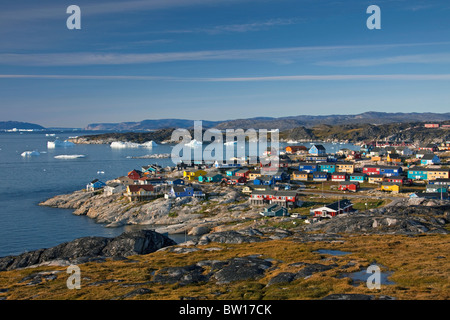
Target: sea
[{"x": 46, "y": 172}]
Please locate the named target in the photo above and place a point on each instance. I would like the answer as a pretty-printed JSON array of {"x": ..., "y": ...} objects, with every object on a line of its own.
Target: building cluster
[{"x": 382, "y": 166}]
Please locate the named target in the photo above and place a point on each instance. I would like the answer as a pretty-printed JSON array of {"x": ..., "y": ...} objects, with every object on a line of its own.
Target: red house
[
  {"x": 339, "y": 176},
  {"x": 234, "y": 180},
  {"x": 399, "y": 180},
  {"x": 371, "y": 170},
  {"x": 135, "y": 174},
  {"x": 349, "y": 186},
  {"x": 243, "y": 173}
]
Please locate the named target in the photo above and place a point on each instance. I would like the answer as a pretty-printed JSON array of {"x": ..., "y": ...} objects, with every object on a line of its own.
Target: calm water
[{"x": 25, "y": 182}]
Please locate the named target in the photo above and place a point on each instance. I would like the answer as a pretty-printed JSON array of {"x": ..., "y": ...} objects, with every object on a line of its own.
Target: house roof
[
  {"x": 341, "y": 204},
  {"x": 137, "y": 187},
  {"x": 319, "y": 147},
  {"x": 428, "y": 156}
]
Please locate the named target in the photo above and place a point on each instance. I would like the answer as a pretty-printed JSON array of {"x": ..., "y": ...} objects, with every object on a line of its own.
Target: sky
[{"x": 220, "y": 59}]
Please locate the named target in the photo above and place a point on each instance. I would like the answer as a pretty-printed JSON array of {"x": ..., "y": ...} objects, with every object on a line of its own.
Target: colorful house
[
  {"x": 300, "y": 175},
  {"x": 437, "y": 173},
  {"x": 140, "y": 192},
  {"x": 390, "y": 187},
  {"x": 210, "y": 177},
  {"x": 401, "y": 180},
  {"x": 95, "y": 185},
  {"x": 281, "y": 176},
  {"x": 348, "y": 167},
  {"x": 275, "y": 210},
  {"x": 295, "y": 149},
  {"x": 358, "y": 177},
  {"x": 254, "y": 174},
  {"x": 135, "y": 174},
  {"x": 332, "y": 210},
  {"x": 349, "y": 186},
  {"x": 175, "y": 181},
  {"x": 339, "y": 176},
  {"x": 243, "y": 173},
  {"x": 394, "y": 158},
  {"x": 320, "y": 176},
  {"x": 329, "y": 167},
  {"x": 232, "y": 171},
  {"x": 184, "y": 191},
  {"x": 436, "y": 188},
  {"x": 417, "y": 173},
  {"x": 430, "y": 158},
  {"x": 265, "y": 180},
  {"x": 192, "y": 175},
  {"x": 375, "y": 178},
  {"x": 317, "y": 149},
  {"x": 308, "y": 167}
]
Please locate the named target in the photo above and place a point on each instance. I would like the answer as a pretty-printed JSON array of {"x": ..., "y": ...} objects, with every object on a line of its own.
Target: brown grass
[{"x": 418, "y": 272}]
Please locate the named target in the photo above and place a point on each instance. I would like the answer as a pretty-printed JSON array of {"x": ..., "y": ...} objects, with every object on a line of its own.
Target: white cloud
[
  {"x": 332, "y": 77},
  {"x": 417, "y": 59},
  {"x": 278, "y": 55}
]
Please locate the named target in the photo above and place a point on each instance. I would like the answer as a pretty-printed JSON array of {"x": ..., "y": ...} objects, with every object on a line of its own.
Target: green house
[
  {"x": 274, "y": 210},
  {"x": 210, "y": 177}
]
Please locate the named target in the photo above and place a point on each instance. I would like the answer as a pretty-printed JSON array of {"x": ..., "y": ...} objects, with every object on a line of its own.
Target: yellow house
[
  {"x": 434, "y": 174},
  {"x": 376, "y": 158},
  {"x": 391, "y": 187},
  {"x": 192, "y": 175},
  {"x": 300, "y": 175},
  {"x": 347, "y": 167},
  {"x": 375, "y": 178},
  {"x": 253, "y": 175},
  {"x": 393, "y": 157}
]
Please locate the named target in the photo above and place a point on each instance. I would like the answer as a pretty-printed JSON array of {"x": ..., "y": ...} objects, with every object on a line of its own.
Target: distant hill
[
  {"x": 282, "y": 123},
  {"x": 8, "y": 125},
  {"x": 149, "y": 125}
]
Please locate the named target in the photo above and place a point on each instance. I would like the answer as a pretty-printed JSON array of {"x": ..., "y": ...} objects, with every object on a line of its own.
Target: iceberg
[
  {"x": 59, "y": 144},
  {"x": 30, "y": 154},
  {"x": 123, "y": 145},
  {"x": 70, "y": 156},
  {"x": 230, "y": 143},
  {"x": 194, "y": 144}
]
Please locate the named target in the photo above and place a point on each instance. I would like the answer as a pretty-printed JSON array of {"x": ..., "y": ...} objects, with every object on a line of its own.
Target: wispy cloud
[
  {"x": 277, "y": 55},
  {"x": 333, "y": 77},
  {"x": 237, "y": 28},
  {"x": 442, "y": 58}
]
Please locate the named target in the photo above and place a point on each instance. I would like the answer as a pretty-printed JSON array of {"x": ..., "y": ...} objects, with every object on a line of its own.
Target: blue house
[
  {"x": 94, "y": 185},
  {"x": 317, "y": 149},
  {"x": 320, "y": 176},
  {"x": 231, "y": 172},
  {"x": 418, "y": 173},
  {"x": 430, "y": 158},
  {"x": 175, "y": 181},
  {"x": 327, "y": 167},
  {"x": 274, "y": 210},
  {"x": 281, "y": 176},
  {"x": 308, "y": 167},
  {"x": 264, "y": 180},
  {"x": 359, "y": 177},
  {"x": 390, "y": 170}
]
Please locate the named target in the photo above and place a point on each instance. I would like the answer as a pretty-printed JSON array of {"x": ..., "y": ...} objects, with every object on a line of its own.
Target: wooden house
[
  {"x": 300, "y": 176},
  {"x": 320, "y": 176},
  {"x": 295, "y": 149},
  {"x": 358, "y": 177},
  {"x": 339, "y": 176},
  {"x": 390, "y": 187},
  {"x": 430, "y": 158},
  {"x": 349, "y": 186},
  {"x": 348, "y": 167},
  {"x": 375, "y": 178},
  {"x": 333, "y": 209},
  {"x": 317, "y": 149},
  {"x": 140, "y": 192},
  {"x": 275, "y": 210},
  {"x": 95, "y": 185}
]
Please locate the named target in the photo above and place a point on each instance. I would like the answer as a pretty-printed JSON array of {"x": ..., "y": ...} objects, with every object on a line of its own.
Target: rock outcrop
[{"x": 90, "y": 249}]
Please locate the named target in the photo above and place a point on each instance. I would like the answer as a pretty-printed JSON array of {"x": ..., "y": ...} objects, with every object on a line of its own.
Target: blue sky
[{"x": 220, "y": 59}]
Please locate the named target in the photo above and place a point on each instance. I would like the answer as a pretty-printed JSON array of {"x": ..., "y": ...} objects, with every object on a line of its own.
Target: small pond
[
  {"x": 361, "y": 276},
  {"x": 332, "y": 252}
]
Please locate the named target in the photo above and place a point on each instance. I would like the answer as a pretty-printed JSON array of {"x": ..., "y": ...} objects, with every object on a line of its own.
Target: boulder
[{"x": 90, "y": 249}]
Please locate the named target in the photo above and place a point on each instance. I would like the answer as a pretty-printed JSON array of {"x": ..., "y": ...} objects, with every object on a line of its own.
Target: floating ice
[
  {"x": 194, "y": 144},
  {"x": 59, "y": 144},
  {"x": 30, "y": 154},
  {"x": 123, "y": 145},
  {"x": 70, "y": 156},
  {"x": 49, "y": 134}
]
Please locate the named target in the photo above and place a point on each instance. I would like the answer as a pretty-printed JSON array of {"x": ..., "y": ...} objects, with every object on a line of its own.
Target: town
[{"x": 380, "y": 170}]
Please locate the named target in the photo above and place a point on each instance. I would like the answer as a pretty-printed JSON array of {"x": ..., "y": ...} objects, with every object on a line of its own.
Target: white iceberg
[
  {"x": 30, "y": 154},
  {"x": 70, "y": 156},
  {"x": 194, "y": 144},
  {"x": 49, "y": 134},
  {"x": 292, "y": 142},
  {"x": 59, "y": 144},
  {"x": 230, "y": 143},
  {"x": 123, "y": 145}
]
